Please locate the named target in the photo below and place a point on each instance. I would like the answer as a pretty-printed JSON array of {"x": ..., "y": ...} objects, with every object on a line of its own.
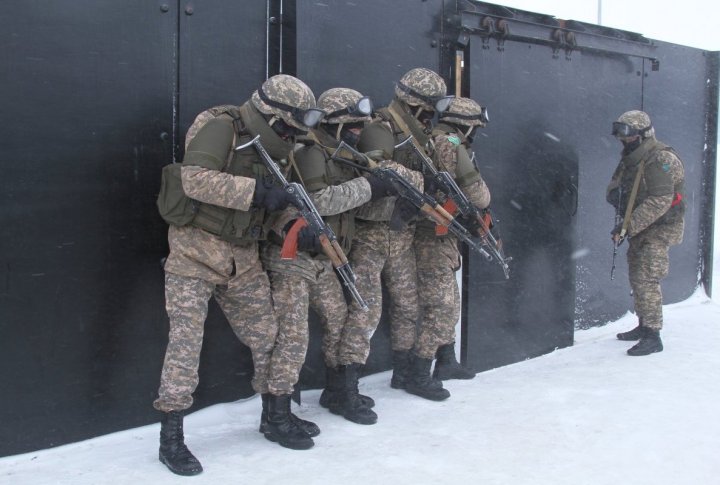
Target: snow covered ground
[{"x": 588, "y": 414}]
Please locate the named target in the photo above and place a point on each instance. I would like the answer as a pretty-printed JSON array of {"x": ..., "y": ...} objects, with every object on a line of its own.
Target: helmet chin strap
[{"x": 339, "y": 130}]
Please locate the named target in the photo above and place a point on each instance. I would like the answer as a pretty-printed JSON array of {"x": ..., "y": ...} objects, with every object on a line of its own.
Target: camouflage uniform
[
  {"x": 438, "y": 257},
  {"x": 202, "y": 264},
  {"x": 656, "y": 219}
]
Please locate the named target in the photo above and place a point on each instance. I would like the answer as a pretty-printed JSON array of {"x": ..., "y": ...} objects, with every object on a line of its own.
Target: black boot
[
  {"x": 330, "y": 396},
  {"x": 634, "y": 334},
  {"x": 281, "y": 428},
  {"x": 447, "y": 366},
  {"x": 649, "y": 343},
  {"x": 422, "y": 384},
  {"x": 173, "y": 452},
  {"x": 350, "y": 406},
  {"x": 401, "y": 367},
  {"x": 309, "y": 427}
]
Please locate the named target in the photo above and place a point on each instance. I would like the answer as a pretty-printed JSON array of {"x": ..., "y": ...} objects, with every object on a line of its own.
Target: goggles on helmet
[
  {"x": 363, "y": 107},
  {"x": 483, "y": 116},
  {"x": 308, "y": 117},
  {"x": 623, "y": 130},
  {"x": 441, "y": 103}
]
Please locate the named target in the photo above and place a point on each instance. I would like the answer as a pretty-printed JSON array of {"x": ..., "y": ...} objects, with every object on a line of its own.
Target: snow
[{"x": 587, "y": 414}]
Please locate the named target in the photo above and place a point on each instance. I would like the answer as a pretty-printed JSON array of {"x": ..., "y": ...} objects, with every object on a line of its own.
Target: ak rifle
[
  {"x": 312, "y": 218},
  {"x": 424, "y": 202}
]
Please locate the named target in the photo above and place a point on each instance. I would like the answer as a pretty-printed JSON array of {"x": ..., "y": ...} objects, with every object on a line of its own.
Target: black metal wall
[{"x": 97, "y": 96}]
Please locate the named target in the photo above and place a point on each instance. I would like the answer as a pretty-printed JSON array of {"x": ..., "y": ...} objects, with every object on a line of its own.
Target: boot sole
[
  {"x": 636, "y": 354},
  {"x": 369, "y": 421},
  {"x": 298, "y": 445},
  {"x": 176, "y": 471},
  {"x": 628, "y": 339},
  {"x": 428, "y": 397}
]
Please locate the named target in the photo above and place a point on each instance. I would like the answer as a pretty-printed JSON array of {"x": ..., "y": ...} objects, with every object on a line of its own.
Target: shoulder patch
[
  {"x": 454, "y": 139},
  {"x": 666, "y": 167}
]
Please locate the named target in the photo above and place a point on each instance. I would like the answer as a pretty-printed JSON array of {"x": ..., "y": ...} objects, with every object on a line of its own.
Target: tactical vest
[
  {"x": 237, "y": 226},
  {"x": 627, "y": 171},
  {"x": 316, "y": 171}
]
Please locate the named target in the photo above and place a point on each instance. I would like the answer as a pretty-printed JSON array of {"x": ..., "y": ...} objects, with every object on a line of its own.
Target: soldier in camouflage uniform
[
  {"x": 216, "y": 255},
  {"x": 381, "y": 253},
  {"x": 309, "y": 279},
  {"x": 437, "y": 256},
  {"x": 646, "y": 190}
]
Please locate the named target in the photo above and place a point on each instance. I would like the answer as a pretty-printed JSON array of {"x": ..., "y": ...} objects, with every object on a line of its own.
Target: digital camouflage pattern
[
  {"x": 638, "y": 120},
  {"x": 245, "y": 301},
  {"x": 656, "y": 220},
  {"x": 423, "y": 81},
  {"x": 287, "y": 90},
  {"x": 380, "y": 254},
  {"x": 438, "y": 258},
  {"x": 336, "y": 99},
  {"x": 314, "y": 285},
  {"x": 464, "y": 111},
  {"x": 437, "y": 261}
]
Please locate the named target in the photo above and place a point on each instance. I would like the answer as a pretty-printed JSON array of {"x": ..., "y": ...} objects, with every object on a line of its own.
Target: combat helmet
[
  {"x": 344, "y": 105},
  {"x": 423, "y": 87},
  {"x": 633, "y": 123},
  {"x": 288, "y": 98},
  {"x": 465, "y": 112}
]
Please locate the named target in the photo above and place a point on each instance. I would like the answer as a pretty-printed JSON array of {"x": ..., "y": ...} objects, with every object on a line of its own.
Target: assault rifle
[
  {"x": 312, "y": 218},
  {"x": 446, "y": 183},
  {"x": 618, "y": 242},
  {"x": 426, "y": 203}
]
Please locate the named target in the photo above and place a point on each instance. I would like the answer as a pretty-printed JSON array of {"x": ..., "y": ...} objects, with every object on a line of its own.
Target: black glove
[
  {"x": 403, "y": 213},
  {"x": 470, "y": 222},
  {"x": 429, "y": 184},
  {"x": 270, "y": 197},
  {"x": 308, "y": 241},
  {"x": 380, "y": 188}
]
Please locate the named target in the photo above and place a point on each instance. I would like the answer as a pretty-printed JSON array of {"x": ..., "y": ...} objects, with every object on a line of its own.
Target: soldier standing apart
[
  {"x": 646, "y": 191},
  {"x": 309, "y": 279},
  {"x": 214, "y": 253},
  {"x": 381, "y": 253},
  {"x": 437, "y": 256}
]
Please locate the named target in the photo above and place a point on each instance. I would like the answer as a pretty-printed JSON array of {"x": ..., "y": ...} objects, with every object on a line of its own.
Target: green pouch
[{"x": 174, "y": 205}]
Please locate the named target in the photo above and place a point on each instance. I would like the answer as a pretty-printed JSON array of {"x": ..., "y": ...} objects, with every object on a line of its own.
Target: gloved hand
[
  {"x": 471, "y": 223},
  {"x": 429, "y": 184},
  {"x": 270, "y": 197},
  {"x": 380, "y": 188},
  {"x": 403, "y": 213},
  {"x": 308, "y": 241},
  {"x": 615, "y": 235}
]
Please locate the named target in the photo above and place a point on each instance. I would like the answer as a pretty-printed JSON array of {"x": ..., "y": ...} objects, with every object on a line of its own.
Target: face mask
[
  {"x": 284, "y": 130},
  {"x": 631, "y": 145}
]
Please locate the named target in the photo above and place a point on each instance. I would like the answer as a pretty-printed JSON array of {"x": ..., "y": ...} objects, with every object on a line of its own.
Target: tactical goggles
[
  {"x": 441, "y": 103},
  {"x": 307, "y": 117},
  {"x": 364, "y": 107},
  {"x": 623, "y": 130},
  {"x": 483, "y": 116}
]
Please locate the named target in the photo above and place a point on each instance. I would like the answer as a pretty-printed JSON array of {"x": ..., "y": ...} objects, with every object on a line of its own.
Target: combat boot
[
  {"x": 309, "y": 427},
  {"x": 649, "y": 343},
  {"x": 351, "y": 406},
  {"x": 634, "y": 334},
  {"x": 422, "y": 384},
  {"x": 281, "y": 428},
  {"x": 401, "y": 367},
  {"x": 330, "y": 397},
  {"x": 447, "y": 366},
  {"x": 173, "y": 452}
]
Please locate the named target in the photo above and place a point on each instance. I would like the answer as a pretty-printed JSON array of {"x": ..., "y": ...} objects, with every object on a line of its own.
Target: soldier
[
  {"x": 380, "y": 253},
  {"x": 309, "y": 279},
  {"x": 437, "y": 256},
  {"x": 646, "y": 191},
  {"x": 215, "y": 254}
]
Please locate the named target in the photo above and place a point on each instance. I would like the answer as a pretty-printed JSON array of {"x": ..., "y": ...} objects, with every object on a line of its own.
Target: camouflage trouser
[
  {"x": 246, "y": 303},
  {"x": 648, "y": 263},
  {"x": 292, "y": 294},
  {"x": 438, "y": 293},
  {"x": 379, "y": 254}
]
